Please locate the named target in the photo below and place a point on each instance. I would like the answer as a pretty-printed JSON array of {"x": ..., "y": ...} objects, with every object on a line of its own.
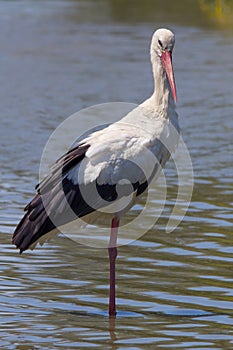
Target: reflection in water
[
  {"x": 156, "y": 11},
  {"x": 112, "y": 332},
  {"x": 205, "y": 13},
  {"x": 219, "y": 12},
  {"x": 174, "y": 290}
]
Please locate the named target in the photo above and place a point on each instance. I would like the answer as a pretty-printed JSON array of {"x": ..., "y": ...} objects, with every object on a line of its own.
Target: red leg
[{"x": 112, "y": 251}]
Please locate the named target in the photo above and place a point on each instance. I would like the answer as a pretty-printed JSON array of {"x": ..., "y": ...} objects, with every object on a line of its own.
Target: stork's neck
[{"x": 162, "y": 97}]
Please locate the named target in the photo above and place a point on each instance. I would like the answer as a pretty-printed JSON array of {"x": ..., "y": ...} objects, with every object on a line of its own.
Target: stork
[{"x": 105, "y": 159}]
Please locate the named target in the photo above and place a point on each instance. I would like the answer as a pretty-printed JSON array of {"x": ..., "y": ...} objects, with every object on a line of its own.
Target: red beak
[{"x": 167, "y": 64}]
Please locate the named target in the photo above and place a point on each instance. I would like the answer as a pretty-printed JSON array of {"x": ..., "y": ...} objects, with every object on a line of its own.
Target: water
[{"x": 173, "y": 290}]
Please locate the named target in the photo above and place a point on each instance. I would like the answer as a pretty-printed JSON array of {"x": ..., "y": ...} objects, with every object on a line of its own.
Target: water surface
[{"x": 173, "y": 290}]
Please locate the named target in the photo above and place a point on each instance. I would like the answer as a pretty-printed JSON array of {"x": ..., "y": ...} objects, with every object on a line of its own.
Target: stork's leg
[{"x": 112, "y": 251}]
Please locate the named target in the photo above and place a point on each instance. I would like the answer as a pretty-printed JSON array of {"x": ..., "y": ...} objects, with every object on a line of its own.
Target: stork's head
[{"x": 162, "y": 44}]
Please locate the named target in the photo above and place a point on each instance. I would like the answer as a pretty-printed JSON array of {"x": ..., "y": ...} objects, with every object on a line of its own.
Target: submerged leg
[{"x": 112, "y": 251}]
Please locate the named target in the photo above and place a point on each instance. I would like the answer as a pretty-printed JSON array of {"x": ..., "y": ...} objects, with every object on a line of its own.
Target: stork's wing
[
  {"x": 62, "y": 167},
  {"x": 50, "y": 202},
  {"x": 61, "y": 199}
]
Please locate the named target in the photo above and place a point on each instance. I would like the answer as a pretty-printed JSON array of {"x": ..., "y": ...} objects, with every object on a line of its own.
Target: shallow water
[{"x": 173, "y": 290}]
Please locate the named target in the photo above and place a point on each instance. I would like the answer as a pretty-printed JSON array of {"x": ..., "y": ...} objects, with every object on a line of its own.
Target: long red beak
[{"x": 167, "y": 64}]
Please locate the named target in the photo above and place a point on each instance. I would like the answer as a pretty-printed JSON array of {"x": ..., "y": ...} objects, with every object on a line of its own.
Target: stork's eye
[{"x": 160, "y": 43}]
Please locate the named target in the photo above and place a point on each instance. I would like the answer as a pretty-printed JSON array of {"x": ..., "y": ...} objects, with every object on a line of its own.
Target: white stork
[{"x": 106, "y": 159}]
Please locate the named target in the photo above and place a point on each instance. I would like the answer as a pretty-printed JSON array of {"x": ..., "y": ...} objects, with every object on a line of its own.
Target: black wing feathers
[
  {"x": 37, "y": 221},
  {"x": 61, "y": 167}
]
